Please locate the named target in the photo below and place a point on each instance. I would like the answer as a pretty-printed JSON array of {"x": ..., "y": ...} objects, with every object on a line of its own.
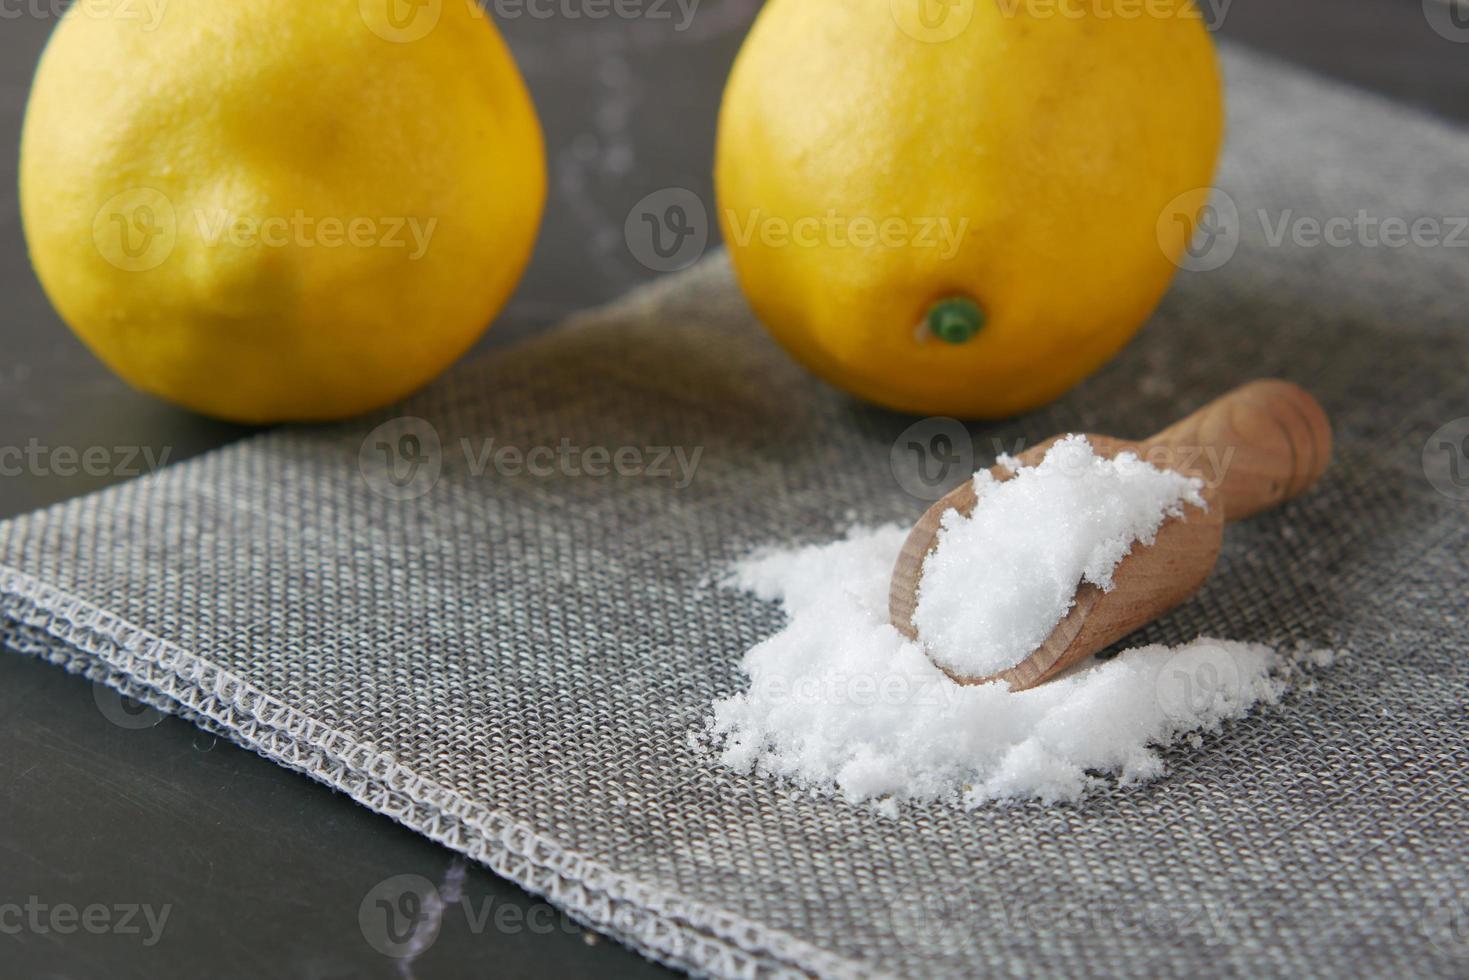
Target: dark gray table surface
[{"x": 262, "y": 870}]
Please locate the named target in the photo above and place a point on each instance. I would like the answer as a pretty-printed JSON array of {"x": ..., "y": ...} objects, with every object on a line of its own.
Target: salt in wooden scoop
[{"x": 1254, "y": 448}]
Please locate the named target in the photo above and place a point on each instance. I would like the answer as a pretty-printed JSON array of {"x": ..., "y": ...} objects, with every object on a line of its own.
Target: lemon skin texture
[
  {"x": 1057, "y": 143},
  {"x": 272, "y": 210}
]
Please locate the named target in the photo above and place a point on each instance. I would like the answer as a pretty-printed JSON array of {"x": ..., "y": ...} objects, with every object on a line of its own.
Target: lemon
[
  {"x": 961, "y": 207},
  {"x": 272, "y": 210}
]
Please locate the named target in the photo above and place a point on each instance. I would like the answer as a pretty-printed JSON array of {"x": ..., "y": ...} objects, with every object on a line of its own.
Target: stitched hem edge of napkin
[{"x": 43, "y": 621}]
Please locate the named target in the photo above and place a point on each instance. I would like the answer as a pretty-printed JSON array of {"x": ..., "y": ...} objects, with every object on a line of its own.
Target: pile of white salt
[
  {"x": 839, "y": 700},
  {"x": 1002, "y": 577}
]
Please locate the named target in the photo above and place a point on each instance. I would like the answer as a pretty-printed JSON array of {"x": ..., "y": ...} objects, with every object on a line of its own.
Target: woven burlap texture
[{"x": 510, "y": 663}]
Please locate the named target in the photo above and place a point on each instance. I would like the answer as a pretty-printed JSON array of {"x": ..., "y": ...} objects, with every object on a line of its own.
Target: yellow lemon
[
  {"x": 952, "y": 207},
  {"x": 273, "y": 210}
]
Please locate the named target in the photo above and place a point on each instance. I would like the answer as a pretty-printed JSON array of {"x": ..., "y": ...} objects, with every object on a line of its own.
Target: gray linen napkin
[{"x": 509, "y": 661}]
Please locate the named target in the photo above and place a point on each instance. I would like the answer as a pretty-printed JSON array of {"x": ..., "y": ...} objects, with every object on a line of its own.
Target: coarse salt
[
  {"x": 1001, "y": 578},
  {"x": 839, "y": 701}
]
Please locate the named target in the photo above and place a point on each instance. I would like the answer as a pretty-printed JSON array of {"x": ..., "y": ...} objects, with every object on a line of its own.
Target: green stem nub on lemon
[{"x": 955, "y": 321}]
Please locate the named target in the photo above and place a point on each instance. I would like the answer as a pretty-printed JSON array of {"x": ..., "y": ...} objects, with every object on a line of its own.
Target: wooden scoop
[{"x": 1254, "y": 448}]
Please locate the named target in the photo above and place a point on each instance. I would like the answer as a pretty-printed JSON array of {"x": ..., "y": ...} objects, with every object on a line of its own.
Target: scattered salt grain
[
  {"x": 1002, "y": 578},
  {"x": 1317, "y": 658},
  {"x": 839, "y": 701}
]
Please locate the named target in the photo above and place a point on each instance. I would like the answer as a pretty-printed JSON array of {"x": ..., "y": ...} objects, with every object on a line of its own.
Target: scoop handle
[{"x": 1255, "y": 448}]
